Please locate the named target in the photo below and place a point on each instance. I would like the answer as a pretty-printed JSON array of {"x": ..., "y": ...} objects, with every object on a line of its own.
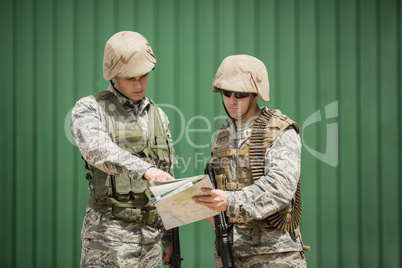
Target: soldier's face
[
  {"x": 132, "y": 87},
  {"x": 236, "y": 107}
]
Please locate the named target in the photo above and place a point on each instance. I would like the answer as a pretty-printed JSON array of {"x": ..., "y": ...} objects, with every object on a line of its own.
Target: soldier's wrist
[{"x": 166, "y": 243}]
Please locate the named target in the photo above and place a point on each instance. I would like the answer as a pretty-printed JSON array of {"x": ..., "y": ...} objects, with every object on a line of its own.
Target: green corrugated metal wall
[{"x": 340, "y": 60}]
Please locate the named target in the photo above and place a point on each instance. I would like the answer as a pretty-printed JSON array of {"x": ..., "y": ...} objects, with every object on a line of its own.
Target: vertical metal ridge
[
  {"x": 317, "y": 100},
  {"x": 217, "y": 56},
  {"x": 197, "y": 105},
  {"x": 136, "y": 17},
  {"x": 378, "y": 115},
  {"x": 176, "y": 48},
  {"x": 216, "y": 35},
  {"x": 297, "y": 59},
  {"x": 35, "y": 134},
  {"x": 74, "y": 217},
  {"x": 95, "y": 49},
  {"x": 156, "y": 46},
  {"x": 399, "y": 117},
  {"x": 257, "y": 29},
  {"x": 197, "y": 94},
  {"x": 337, "y": 171},
  {"x": 359, "y": 131},
  {"x": 277, "y": 54},
  {"x": 115, "y": 13},
  {"x": 14, "y": 141},
  {"x": 54, "y": 130},
  {"x": 236, "y": 26}
]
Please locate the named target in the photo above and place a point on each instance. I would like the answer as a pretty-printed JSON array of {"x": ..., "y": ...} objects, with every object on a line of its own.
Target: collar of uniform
[
  {"x": 230, "y": 123},
  {"x": 127, "y": 102},
  {"x": 240, "y": 133}
]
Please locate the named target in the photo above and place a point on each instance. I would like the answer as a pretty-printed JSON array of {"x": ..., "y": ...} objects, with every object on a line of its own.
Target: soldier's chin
[
  {"x": 136, "y": 97},
  {"x": 235, "y": 115}
]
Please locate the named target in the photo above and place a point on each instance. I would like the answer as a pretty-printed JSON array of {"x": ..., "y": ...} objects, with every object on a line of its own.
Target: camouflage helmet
[
  {"x": 127, "y": 54},
  {"x": 242, "y": 73}
]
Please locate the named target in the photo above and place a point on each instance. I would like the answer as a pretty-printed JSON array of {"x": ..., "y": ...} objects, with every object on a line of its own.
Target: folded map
[{"x": 173, "y": 200}]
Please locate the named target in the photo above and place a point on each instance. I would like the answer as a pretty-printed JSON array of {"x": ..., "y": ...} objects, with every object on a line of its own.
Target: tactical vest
[
  {"x": 121, "y": 197},
  {"x": 250, "y": 166}
]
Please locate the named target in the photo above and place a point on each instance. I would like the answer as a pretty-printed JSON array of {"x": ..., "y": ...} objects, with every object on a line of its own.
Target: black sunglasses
[{"x": 238, "y": 95}]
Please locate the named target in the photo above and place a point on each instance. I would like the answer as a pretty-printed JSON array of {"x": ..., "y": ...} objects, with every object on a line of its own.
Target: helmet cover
[
  {"x": 127, "y": 54},
  {"x": 242, "y": 73}
]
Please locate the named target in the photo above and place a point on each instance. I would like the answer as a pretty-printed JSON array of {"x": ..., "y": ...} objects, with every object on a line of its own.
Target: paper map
[{"x": 174, "y": 203}]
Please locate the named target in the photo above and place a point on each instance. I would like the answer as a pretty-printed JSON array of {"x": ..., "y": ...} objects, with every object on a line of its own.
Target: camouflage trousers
[
  {"x": 100, "y": 253},
  {"x": 274, "y": 260}
]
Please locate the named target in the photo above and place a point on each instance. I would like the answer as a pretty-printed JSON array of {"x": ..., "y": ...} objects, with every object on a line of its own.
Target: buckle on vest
[
  {"x": 234, "y": 186},
  {"x": 231, "y": 186}
]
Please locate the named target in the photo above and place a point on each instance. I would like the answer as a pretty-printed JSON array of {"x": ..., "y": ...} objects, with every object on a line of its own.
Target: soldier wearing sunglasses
[{"x": 256, "y": 159}]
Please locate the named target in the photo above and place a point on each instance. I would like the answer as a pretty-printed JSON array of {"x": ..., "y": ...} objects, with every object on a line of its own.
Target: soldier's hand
[
  {"x": 211, "y": 220},
  {"x": 167, "y": 254},
  {"x": 154, "y": 174},
  {"x": 216, "y": 200}
]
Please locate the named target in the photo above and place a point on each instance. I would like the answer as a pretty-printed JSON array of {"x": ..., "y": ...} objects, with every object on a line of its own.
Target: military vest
[
  {"x": 122, "y": 197},
  {"x": 251, "y": 161}
]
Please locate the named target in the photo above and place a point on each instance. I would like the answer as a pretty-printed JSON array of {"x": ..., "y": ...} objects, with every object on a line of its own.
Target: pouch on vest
[
  {"x": 142, "y": 195},
  {"x": 125, "y": 186},
  {"x": 127, "y": 198},
  {"x": 159, "y": 146},
  {"x": 138, "y": 186},
  {"x": 122, "y": 186},
  {"x": 130, "y": 138},
  {"x": 101, "y": 183},
  {"x": 128, "y": 214}
]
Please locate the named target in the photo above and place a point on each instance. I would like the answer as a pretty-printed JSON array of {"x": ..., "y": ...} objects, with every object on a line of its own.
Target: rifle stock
[
  {"x": 221, "y": 228},
  {"x": 175, "y": 261}
]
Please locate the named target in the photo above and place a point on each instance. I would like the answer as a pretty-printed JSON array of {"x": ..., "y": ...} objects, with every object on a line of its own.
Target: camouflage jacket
[
  {"x": 97, "y": 148},
  {"x": 269, "y": 194}
]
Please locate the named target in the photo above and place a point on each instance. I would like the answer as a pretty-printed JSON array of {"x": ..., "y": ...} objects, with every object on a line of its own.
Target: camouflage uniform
[
  {"x": 257, "y": 192},
  {"x": 114, "y": 242},
  {"x": 267, "y": 195},
  {"x": 273, "y": 260}
]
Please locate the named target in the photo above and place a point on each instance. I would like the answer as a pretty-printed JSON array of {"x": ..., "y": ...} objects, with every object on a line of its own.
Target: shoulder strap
[{"x": 102, "y": 95}]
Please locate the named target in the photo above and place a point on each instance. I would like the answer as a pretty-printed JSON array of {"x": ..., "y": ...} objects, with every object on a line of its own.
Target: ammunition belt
[
  {"x": 287, "y": 219},
  {"x": 257, "y": 148}
]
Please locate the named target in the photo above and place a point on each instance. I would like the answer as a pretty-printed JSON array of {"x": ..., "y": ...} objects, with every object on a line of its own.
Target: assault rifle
[
  {"x": 175, "y": 260},
  {"x": 221, "y": 228}
]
